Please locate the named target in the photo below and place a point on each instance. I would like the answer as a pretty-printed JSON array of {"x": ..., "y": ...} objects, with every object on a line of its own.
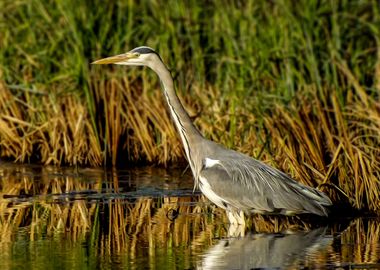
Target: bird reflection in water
[{"x": 264, "y": 251}]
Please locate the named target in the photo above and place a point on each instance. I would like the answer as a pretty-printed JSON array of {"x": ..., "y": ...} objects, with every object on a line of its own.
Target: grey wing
[{"x": 247, "y": 184}]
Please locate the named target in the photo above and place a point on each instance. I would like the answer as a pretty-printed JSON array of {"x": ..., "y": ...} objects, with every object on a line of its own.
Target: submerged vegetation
[{"x": 294, "y": 83}]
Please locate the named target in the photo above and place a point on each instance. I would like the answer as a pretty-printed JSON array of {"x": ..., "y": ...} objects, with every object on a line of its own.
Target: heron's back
[{"x": 236, "y": 181}]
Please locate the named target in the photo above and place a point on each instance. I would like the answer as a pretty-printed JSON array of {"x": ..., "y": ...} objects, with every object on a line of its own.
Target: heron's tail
[{"x": 318, "y": 201}]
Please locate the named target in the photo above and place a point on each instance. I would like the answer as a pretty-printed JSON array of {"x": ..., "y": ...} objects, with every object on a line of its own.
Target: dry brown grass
[
  {"x": 57, "y": 130},
  {"x": 135, "y": 123},
  {"x": 332, "y": 148}
]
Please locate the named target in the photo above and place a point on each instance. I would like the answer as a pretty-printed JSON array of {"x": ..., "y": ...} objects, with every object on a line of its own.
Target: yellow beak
[{"x": 115, "y": 59}]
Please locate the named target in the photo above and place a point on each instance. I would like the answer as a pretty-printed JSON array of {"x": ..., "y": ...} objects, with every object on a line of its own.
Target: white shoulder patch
[{"x": 211, "y": 162}]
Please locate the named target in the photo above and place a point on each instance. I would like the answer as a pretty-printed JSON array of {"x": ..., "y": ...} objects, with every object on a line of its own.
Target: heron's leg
[
  {"x": 236, "y": 230},
  {"x": 240, "y": 217},
  {"x": 231, "y": 217},
  {"x": 236, "y": 217}
]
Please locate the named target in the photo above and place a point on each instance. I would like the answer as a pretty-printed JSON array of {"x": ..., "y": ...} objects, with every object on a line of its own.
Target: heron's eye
[{"x": 136, "y": 54}]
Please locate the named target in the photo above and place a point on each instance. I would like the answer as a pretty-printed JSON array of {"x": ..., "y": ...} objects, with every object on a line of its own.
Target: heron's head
[{"x": 140, "y": 56}]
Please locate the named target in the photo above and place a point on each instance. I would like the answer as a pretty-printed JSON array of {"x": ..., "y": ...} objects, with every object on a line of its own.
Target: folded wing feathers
[{"x": 275, "y": 187}]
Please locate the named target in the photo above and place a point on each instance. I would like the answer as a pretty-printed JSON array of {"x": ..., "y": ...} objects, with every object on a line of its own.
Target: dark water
[{"x": 53, "y": 218}]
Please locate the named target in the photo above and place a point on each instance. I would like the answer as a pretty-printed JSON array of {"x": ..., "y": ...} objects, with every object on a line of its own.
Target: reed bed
[{"x": 294, "y": 84}]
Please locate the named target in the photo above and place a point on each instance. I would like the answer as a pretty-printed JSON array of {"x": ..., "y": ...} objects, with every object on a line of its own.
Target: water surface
[{"x": 149, "y": 218}]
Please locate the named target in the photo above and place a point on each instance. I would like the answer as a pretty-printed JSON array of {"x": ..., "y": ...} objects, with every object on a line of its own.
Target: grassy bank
[{"x": 296, "y": 84}]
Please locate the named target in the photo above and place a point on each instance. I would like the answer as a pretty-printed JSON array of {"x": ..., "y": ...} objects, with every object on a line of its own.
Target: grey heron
[{"x": 231, "y": 180}]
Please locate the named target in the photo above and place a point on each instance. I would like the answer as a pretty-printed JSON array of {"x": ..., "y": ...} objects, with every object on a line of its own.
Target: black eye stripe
[{"x": 143, "y": 50}]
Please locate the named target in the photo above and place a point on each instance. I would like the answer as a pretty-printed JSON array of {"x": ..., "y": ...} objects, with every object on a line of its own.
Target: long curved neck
[{"x": 188, "y": 132}]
